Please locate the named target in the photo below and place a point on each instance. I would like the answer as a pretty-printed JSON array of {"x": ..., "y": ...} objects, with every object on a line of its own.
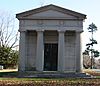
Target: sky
[{"x": 89, "y": 7}]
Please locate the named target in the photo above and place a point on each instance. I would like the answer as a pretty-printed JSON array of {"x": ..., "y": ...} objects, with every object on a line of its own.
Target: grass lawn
[
  {"x": 48, "y": 82},
  {"x": 9, "y": 79}
]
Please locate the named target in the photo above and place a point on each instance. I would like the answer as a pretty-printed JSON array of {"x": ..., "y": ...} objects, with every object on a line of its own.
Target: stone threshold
[{"x": 52, "y": 74}]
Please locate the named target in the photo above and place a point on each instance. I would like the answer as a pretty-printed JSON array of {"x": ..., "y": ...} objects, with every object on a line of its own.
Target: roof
[{"x": 50, "y": 7}]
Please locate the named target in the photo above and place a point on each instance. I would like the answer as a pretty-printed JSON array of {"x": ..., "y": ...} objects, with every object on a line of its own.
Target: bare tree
[
  {"x": 8, "y": 35},
  {"x": 8, "y": 41}
]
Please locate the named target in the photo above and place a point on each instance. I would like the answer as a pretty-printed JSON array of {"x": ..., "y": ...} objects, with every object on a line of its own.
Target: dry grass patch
[
  {"x": 9, "y": 70},
  {"x": 49, "y": 82},
  {"x": 92, "y": 72}
]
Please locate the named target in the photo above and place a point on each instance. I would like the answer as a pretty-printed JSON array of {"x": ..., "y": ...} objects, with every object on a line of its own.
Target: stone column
[
  {"x": 78, "y": 52},
  {"x": 61, "y": 50},
  {"x": 22, "y": 51},
  {"x": 40, "y": 51}
]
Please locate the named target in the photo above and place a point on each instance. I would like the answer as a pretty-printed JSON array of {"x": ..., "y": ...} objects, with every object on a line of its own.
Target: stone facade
[{"x": 50, "y": 25}]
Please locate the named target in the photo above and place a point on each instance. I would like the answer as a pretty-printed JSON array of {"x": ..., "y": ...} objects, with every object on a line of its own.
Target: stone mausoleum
[{"x": 50, "y": 39}]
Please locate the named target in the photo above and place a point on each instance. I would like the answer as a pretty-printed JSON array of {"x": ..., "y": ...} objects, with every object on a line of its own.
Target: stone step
[{"x": 54, "y": 75}]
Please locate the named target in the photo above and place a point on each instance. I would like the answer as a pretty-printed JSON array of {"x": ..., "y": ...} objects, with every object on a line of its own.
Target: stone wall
[
  {"x": 31, "y": 50},
  {"x": 70, "y": 52}
]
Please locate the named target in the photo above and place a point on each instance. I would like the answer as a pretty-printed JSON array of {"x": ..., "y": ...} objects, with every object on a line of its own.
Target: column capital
[
  {"x": 22, "y": 31},
  {"x": 40, "y": 30},
  {"x": 61, "y": 31},
  {"x": 79, "y": 31}
]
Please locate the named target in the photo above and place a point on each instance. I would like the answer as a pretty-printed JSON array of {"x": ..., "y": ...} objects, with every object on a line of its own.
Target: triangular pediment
[{"x": 50, "y": 12}]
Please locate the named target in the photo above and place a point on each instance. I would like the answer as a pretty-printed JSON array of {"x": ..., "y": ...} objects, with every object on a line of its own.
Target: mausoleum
[{"x": 50, "y": 39}]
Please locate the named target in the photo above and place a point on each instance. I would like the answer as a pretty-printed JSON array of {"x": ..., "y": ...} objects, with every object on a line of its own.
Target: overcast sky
[{"x": 89, "y": 7}]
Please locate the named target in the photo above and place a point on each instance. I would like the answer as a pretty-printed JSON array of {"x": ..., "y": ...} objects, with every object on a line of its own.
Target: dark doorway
[{"x": 50, "y": 57}]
